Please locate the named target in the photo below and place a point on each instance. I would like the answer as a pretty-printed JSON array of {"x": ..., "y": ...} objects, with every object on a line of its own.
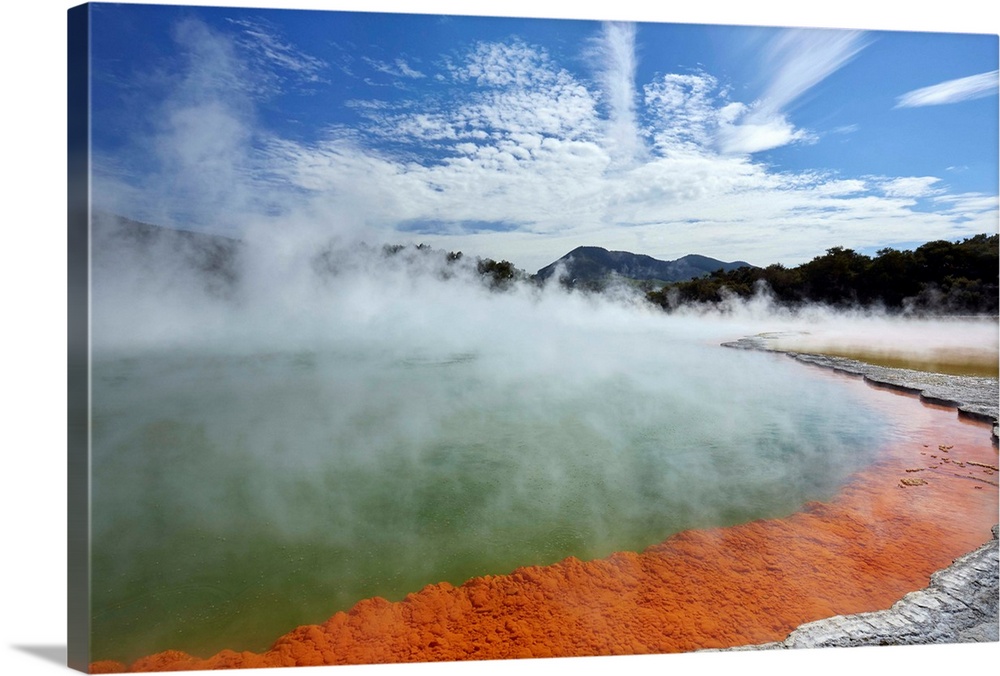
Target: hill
[
  {"x": 592, "y": 266},
  {"x": 125, "y": 249}
]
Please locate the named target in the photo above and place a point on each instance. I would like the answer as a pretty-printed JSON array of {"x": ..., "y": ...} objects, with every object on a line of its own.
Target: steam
[{"x": 288, "y": 424}]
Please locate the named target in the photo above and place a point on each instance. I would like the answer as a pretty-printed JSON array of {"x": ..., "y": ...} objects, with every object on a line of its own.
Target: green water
[{"x": 236, "y": 497}]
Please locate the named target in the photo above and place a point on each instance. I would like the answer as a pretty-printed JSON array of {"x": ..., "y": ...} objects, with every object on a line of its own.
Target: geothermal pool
[
  {"x": 239, "y": 495},
  {"x": 321, "y": 432}
]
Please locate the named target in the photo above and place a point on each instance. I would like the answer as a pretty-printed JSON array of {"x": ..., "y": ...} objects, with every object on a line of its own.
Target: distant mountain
[
  {"x": 121, "y": 246},
  {"x": 593, "y": 265}
]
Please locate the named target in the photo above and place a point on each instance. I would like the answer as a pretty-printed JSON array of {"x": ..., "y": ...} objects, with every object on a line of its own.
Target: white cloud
[
  {"x": 684, "y": 112},
  {"x": 970, "y": 203},
  {"x": 952, "y": 91},
  {"x": 841, "y": 187},
  {"x": 911, "y": 186},
  {"x": 500, "y": 64},
  {"x": 758, "y": 133}
]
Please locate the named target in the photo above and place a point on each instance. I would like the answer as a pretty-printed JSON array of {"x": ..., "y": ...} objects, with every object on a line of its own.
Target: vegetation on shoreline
[{"x": 939, "y": 277}]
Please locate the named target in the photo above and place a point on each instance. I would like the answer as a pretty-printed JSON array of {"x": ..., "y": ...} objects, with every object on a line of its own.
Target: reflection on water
[{"x": 237, "y": 496}]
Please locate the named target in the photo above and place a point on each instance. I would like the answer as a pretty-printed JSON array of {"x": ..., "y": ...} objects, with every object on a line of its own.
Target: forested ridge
[{"x": 938, "y": 277}]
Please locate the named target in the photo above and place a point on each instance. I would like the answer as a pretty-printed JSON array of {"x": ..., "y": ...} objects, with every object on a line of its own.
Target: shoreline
[
  {"x": 960, "y": 605},
  {"x": 975, "y": 397}
]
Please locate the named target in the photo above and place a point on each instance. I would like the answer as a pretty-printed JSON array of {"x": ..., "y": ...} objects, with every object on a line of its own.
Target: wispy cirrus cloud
[
  {"x": 801, "y": 58},
  {"x": 266, "y": 45},
  {"x": 951, "y": 91},
  {"x": 398, "y": 68},
  {"x": 798, "y": 59}
]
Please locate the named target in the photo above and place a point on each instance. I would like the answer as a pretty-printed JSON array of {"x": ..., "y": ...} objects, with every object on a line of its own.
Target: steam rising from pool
[{"x": 339, "y": 423}]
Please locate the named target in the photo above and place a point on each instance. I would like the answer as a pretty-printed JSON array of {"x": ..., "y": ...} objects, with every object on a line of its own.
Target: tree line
[{"x": 939, "y": 277}]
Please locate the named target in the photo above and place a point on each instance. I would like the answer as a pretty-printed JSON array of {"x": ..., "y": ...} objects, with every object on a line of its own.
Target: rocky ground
[{"x": 961, "y": 603}]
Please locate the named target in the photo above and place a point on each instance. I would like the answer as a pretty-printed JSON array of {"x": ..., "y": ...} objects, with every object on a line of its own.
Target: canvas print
[{"x": 412, "y": 338}]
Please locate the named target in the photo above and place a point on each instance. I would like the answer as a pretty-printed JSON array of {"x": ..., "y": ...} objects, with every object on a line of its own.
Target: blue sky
[{"x": 524, "y": 138}]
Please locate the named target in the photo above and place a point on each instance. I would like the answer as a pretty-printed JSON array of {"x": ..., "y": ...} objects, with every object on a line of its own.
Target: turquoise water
[{"x": 236, "y": 496}]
